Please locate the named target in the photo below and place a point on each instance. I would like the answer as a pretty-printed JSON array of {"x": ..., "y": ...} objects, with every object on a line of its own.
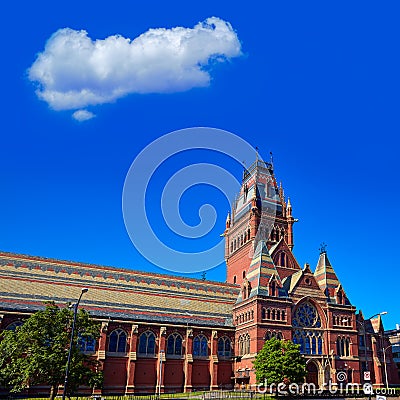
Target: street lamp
[
  {"x": 384, "y": 362},
  {"x": 71, "y": 342}
]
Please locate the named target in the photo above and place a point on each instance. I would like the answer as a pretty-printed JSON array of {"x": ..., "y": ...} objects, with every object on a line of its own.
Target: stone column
[
  {"x": 101, "y": 352},
  {"x": 188, "y": 365},
  {"x": 161, "y": 359},
  {"x": 214, "y": 360},
  {"x": 130, "y": 376}
]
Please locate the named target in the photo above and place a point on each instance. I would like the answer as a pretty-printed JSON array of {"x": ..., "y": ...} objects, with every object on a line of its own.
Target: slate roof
[
  {"x": 260, "y": 272},
  {"x": 26, "y": 282},
  {"x": 326, "y": 276}
]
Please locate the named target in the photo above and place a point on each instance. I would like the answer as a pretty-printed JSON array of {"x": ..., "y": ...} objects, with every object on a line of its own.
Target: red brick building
[{"x": 179, "y": 334}]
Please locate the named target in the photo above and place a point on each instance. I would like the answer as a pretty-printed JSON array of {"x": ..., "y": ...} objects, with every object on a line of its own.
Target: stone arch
[
  {"x": 321, "y": 312},
  {"x": 315, "y": 372}
]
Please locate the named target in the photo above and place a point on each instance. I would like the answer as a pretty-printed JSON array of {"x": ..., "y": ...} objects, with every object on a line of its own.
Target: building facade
[
  {"x": 174, "y": 334},
  {"x": 393, "y": 336}
]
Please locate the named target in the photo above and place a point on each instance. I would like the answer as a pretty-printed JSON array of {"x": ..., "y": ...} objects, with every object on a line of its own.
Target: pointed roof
[
  {"x": 262, "y": 271},
  {"x": 325, "y": 275}
]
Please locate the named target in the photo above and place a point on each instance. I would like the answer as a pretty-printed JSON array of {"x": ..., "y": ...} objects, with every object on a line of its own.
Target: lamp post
[
  {"x": 71, "y": 343},
  {"x": 384, "y": 362}
]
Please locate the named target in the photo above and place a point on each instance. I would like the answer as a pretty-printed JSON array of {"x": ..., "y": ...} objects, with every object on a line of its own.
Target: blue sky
[{"x": 317, "y": 83}]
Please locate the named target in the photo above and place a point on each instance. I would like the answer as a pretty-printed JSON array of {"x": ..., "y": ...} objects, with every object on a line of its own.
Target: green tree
[
  {"x": 279, "y": 361},
  {"x": 36, "y": 352}
]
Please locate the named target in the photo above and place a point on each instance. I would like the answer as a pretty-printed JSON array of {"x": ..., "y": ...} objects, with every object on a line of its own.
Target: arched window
[
  {"x": 247, "y": 344},
  {"x": 248, "y": 233},
  {"x": 339, "y": 297},
  {"x": 231, "y": 247},
  {"x": 347, "y": 347},
  {"x": 273, "y": 288},
  {"x": 268, "y": 314},
  {"x": 273, "y": 314},
  {"x": 267, "y": 335},
  {"x": 224, "y": 347},
  {"x": 307, "y": 329},
  {"x": 147, "y": 343},
  {"x": 200, "y": 346},
  {"x": 14, "y": 325},
  {"x": 283, "y": 314},
  {"x": 234, "y": 279},
  {"x": 283, "y": 259},
  {"x": 263, "y": 313},
  {"x": 240, "y": 345},
  {"x": 117, "y": 343},
  {"x": 174, "y": 344},
  {"x": 244, "y": 274},
  {"x": 87, "y": 344},
  {"x": 278, "y": 315}
]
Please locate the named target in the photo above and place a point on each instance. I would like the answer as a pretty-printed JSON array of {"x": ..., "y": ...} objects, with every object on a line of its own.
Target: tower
[{"x": 260, "y": 212}]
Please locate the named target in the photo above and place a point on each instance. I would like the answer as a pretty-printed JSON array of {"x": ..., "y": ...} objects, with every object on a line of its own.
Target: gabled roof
[
  {"x": 292, "y": 264},
  {"x": 261, "y": 272},
  {"x": 290, "y": 282}
]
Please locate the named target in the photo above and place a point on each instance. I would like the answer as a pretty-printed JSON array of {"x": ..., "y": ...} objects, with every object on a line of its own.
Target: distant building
[
  {"x": 394, "y": 339},
  {"x": 179, "y": 334}
]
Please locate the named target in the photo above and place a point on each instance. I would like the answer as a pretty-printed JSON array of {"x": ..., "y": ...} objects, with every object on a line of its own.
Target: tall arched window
[
  {"x": 117, "y": 343},
  {"x": 174, "y": 344},
  {"x": 273, "y": 288},
  {"x": 247, "y": 344},
  {"x": 283, "y": 259},
  {"x": 263, "y": 313},
  {"x": 200, "y": 346},
  {"x": 147, "y": 343},
  {"x": 307, "y": 329},
  {"x": 224, "y": 347}
]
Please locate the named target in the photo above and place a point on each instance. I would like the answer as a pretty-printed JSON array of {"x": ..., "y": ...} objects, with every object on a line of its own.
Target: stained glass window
[
  {"x": 307, "y": 334},
  {"x": 87, "y": 344},
  {"x": 200, "y": 346},
  {"x": 174, "y": 344},
  {"x": 117, "y": 343},
  {"x": 224, "y": 347},
  {"x": 147, "y": 343}
]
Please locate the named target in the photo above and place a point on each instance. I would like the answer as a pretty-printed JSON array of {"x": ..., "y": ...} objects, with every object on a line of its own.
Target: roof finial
[
  {"x": 322, "y": 249},
  {"x": 256, "y": 153},
  {"x": 271, "y": 157}
]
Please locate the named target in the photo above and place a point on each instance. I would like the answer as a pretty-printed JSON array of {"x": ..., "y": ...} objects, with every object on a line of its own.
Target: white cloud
[
  {"x": 75, "y": 71},
  {"x": 83, "y": 115}
]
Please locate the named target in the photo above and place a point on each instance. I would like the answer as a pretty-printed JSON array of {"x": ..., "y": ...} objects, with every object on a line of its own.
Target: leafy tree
[
  {"x": 280, "y": 361},
  {"x": 36, "y": 352}
]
